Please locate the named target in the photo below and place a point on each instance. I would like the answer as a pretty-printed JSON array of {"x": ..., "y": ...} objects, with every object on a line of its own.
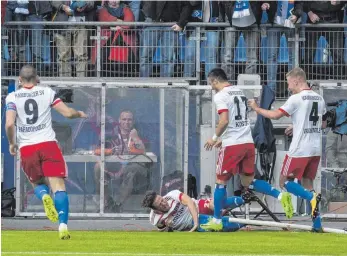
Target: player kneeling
[{"x": 177, "y": 211}]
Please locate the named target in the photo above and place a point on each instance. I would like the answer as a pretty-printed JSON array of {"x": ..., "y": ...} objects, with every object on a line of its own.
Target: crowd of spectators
[{"x": 133, "y": 49}]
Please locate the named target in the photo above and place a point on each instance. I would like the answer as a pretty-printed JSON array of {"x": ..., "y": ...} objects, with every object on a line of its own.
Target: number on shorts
[
  {"x": 314, "y": 113},
  {"x": 237, "y": 102},
  {"x": 31, "y": 109}
]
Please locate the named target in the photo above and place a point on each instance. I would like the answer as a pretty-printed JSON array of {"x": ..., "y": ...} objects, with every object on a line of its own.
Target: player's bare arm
[
  {"x": 10, "y": 130},
  {"x": 222, "y": 125},
  {"x": 186, "y": 200},
  {"x": 271, "y": 114},
  {"x": 67, "y": 112}
]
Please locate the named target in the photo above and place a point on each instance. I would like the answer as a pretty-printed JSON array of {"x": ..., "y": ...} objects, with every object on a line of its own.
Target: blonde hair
[{"x": 297, "y": 73}]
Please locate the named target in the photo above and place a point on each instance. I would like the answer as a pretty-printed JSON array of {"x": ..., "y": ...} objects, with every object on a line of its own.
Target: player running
[
  {"x": 306, "y": 109},
  {"x": 237, "y": 153},
  {"x": 28, "y": 110},
  {"x": 177, "y": 211}
]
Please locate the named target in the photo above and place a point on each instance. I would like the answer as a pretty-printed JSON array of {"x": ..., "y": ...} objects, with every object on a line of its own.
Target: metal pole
[
  {"x": 162, "y": 133},
  {"x": 283, "y": 225},
  {"x": 186, "y": 139},
  {"x": 296, "y": 47},
  {"x": 98, "y": 51},
  {"x": 198, "y": 52},
  {"x": 102, "y": 134},
  {"x": 179, "y": 129}
]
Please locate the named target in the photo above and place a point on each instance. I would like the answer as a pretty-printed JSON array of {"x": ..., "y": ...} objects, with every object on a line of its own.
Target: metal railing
[{"x": 102, "y": 50}]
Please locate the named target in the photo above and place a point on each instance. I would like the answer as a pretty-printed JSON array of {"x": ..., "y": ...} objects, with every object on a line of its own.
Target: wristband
[{"x": 215, "y": 137}]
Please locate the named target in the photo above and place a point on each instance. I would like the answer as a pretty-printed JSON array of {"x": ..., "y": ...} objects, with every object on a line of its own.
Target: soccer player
[
  {"x": 306, "y": 109},
  {"x": 237, "y": 153},
  {"x": 29, "y": 110},
  {"x": 177, "y": 211}
]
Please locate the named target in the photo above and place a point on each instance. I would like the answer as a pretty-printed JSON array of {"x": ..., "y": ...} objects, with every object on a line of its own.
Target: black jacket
[
  {"x": 272, "y": 12},
  {"x": 263, "y": 136},
  {"x": 154, "y": 9},
  {"x": 196, "y": 16},
  {"x": 40, "y": 7},
  {"x": 325, "y": 9},
  {"x": 227, "y": 8}
]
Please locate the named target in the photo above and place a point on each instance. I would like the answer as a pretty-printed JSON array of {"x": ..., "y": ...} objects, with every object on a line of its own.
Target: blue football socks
[
  {"x": 41, "y": 190},
  {"x": 264, "y": 187},
  {"x": 61, "y": 201}
]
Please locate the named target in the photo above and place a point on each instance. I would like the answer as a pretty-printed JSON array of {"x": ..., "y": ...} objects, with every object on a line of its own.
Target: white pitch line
[{"x": 139, "y": 254}]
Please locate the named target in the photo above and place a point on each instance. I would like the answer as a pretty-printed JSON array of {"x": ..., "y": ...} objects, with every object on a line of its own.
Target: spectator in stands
[
  {"x": 241, "y": 15},
  {"x": 284, "y": 14},
  {"x": 135, "y": 7},
  {"x": 121, "y": 178},
  {"x": 162, "y": 11},
  {"x": 325, "y": 12},
  {"x": 18, "y": 35},
  {"x": 75, "y": 37},
  {"x": 38, "y": 11},
  {"x": 203, "y": 11},
  {"x": 111, "y": 47}
]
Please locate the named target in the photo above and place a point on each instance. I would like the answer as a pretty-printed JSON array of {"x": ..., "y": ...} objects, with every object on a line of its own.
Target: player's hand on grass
[
  {"x": 82, "y": 114},
  {"x": 209, "y": 144},
  {"x": 13, "y": 149},
  {"x": 194, "y": 228},
  {"x": 252, "y": 104},
  {"x": 289, "y": 130}
]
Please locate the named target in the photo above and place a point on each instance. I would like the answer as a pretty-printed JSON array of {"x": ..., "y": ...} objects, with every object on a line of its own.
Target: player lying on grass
[
  {"x": 177, "y": 211},
  {"x": 28, "y": 115}
]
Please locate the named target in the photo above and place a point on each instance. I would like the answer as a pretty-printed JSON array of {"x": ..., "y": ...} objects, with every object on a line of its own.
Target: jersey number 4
[
  {"x": 32, "y": 110},
  {"x": 314, "y": 113}
]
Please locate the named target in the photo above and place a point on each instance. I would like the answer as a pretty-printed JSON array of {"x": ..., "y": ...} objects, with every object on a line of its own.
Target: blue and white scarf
[
  {"x": 241, "y": 9},
  {"x": 284, "y": 11}
]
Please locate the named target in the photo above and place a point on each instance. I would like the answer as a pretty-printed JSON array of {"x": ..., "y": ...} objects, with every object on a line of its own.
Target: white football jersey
[
  {"x": 306, "y": 110},
  {"x": 180, "y": 214},
  {"x": 34, "y": 120},
  {"x": 233, "y": 100}
]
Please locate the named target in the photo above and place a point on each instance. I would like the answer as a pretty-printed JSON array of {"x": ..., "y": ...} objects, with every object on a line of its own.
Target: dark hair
[
  {"x": 149, "y": 198},
  {"x": 218, "y": 74},
  {"x": 28, "y": 74}
]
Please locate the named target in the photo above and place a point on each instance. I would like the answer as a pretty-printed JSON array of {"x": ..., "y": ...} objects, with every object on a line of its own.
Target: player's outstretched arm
[
  {"x": 271, "y": 114},
  {"x": 67, "y": 112},
  {"x": 186, "y": 200}
]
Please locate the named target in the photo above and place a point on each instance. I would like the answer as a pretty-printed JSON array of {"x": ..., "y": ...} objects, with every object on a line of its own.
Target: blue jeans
[
  {"x": 135, "y": 8},
  {"x": 39, "y": 52},
  {"x": 273, "y": 42},
  {"x": 211, "y": 53},
  {"x": 150, "y": 37},
  {"x": 231, "y": 37}
]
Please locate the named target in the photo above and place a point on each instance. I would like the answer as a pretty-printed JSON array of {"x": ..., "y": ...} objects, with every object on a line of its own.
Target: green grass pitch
[{"x": 251, "y": 243}]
